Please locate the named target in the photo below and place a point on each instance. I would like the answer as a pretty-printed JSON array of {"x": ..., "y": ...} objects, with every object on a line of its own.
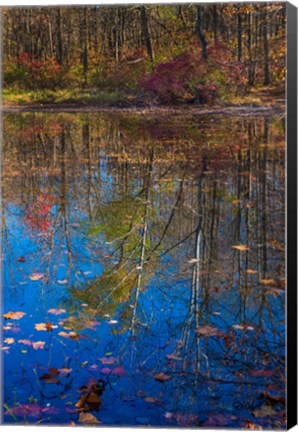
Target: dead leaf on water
[
  {"x": 36, "y": 276},
  {"x": 264, "y": 411},
  {"x": 25, "y": 342},
  {"x": 88, "y": 418},
  {"x": 208, "y": 331},
  {"x": 14, "y": 315},
  {"x": 240, "y": 247},
  {"x": 267, "y": 281},
  {"x": 250, "y": 271},
  {"x": 71, "y": 335},
  {"x": 56, "y": 311},
  {"x": 38, "y": 345},
  {"x": 9, "y": 341},
  {"x": 161, "y": 376}
]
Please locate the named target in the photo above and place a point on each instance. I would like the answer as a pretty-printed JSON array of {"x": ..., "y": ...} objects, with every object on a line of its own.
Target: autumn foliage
[{"x": 187, "y": 77}]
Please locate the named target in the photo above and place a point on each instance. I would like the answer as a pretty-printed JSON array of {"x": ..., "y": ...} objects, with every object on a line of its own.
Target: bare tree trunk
[
  {"x": 239, "y": 33},
  {"x": 266, "y": 49},
  {"x": 59, "y": 37},
  {"x": 146, "y": 34},
  {"x": 200, "y": 33}
]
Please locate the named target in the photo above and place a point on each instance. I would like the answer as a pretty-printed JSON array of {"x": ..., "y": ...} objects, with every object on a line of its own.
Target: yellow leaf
[
  {"x": 267, "y": 282},
  {"x": 264, "y": 411},
  {"x": 9, "y": 341},
  {"x": 88, "y": 418},
  {"x": 40, "y": 327},
  {"x": 14, "y": 315},
  {"x": 250, "y": 271},
  {"x": 36, "y": 276},
  {"x": 241, "y": 247},
  {"x": 56, "y": 311}
]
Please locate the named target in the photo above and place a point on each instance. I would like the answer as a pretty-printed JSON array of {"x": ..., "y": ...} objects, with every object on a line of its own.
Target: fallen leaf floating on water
[
  {"x": 62, "y": 282},
  {"x": 108, "y": 360},
  {"x": 267, "y": 282},
  {"x": 119, "y": 371},
  {"x": 242, "y": 327},
  {"x": 91, "y": 393},
  {"x": 162, "y": 377},
  {"x": 9, "y": 341},
  {"x": 112, "y": 322},
  {"x": 25, "y": 342},
  {"x": 14, "y": 315},
  {"x": 241, "y": 247},
  {"x": 208, "y": 331},
  {"x": 173, "y": 357},
  {"x": 88, "y": 418},
  {"x": 264, "y": 411},
  {"x": 151, "y": 400},
  {"x": 193, "y": 261},
  {"x": 71, "y": 335},
  {"x": 50, "y": 377},
  {"x": 64, "y": 372},
  {"x": 263, "y": 373},
  {"x": 40, "y": 327},
  {"x": 273, "y": 398},
  {"x": 250, "y": 271},
  {"x": 36, "y": 276},
  {"x": 252, "y": 426},
  {"x": 56, "y": 311},
  {"x": 48, "y": 326},
  {"x": 38, "y": 345},
  {"x": 22, "y": 259}
]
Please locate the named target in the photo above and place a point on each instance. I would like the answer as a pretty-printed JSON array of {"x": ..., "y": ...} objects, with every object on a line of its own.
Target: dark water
[{"x": 148, "y": 257}]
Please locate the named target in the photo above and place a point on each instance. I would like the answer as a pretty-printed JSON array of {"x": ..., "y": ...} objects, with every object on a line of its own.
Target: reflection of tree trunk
[
  {"x": 144, "y": 236},
  {"x": 194, "y": 311},
  {"x": 264, "y": 199},
  {"x": 64, "y": 188},
  {"x": 87, "y": 145}
]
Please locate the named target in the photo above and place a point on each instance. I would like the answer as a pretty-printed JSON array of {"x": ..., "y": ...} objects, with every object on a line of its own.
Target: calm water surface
[{"x": 144, "y": 279}]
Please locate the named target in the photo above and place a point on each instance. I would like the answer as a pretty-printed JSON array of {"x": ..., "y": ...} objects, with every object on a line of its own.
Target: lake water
[{"x": 144, "y": 270}]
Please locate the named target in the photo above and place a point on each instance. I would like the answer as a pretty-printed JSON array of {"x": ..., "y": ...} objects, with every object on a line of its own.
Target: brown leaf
[
  {"x": 273, "y": 399},
  {"x": 70, "y": 335},
  {"x": 25, "y": 342},
  {"x": 14, "y": 315},
  {"x": 208, "y": 331},
  {"x": 267, "y": 282},
  {"x": 262, "y": 373},
  {"x": 9, "y": 341},
  {"x": 38, "y": 345},
  {"x": 21, "y": 259},
  {"x": 161, "y": 376},
  {"x": 250, "y": 271},
  {"x": 36, "y": 276},
  {"x": 40, "y": 327},
  {"x": 264, "y": 411},
  {"x": 241, "y": 247},
  {"x": 56, "y": 311},
  {"x": 49, "y": 326},
  {"x": 151, "y": 399},
  {"x": 88, "y": 418}
]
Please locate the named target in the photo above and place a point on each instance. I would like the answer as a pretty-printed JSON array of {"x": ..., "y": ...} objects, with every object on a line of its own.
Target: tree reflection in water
[{"x": 162, "y": 239}]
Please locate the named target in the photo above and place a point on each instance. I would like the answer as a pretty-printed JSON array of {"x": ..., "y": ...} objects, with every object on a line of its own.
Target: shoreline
[{"x": 242, "y": 110}]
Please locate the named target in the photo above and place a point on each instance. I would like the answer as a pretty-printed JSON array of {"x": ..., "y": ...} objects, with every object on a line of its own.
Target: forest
[{"x": 145, "y": 55}]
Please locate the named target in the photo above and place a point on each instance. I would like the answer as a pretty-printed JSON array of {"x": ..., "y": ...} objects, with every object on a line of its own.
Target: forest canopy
[{"x": 196, "y": 53}]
